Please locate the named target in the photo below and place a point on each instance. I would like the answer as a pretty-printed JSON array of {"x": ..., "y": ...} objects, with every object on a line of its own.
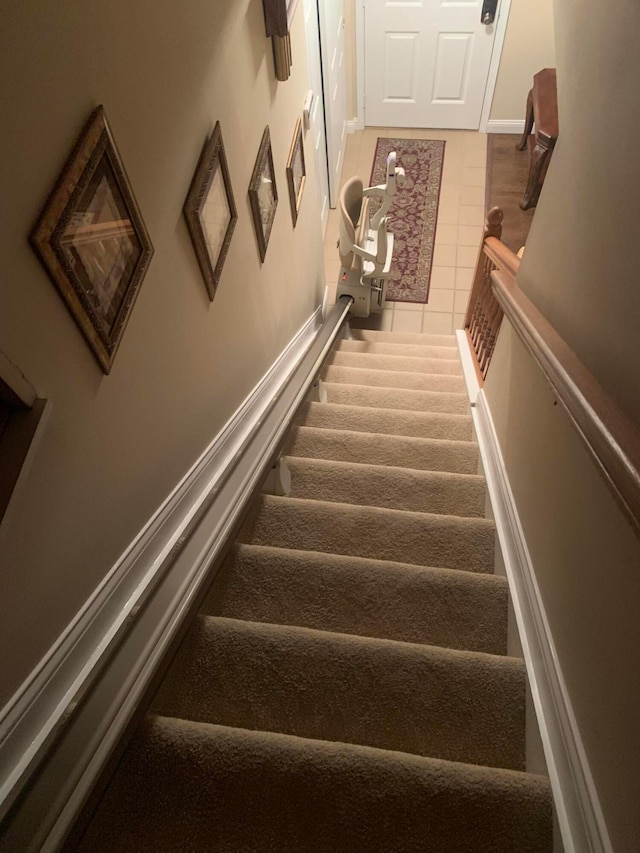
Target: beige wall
[
  {"x": 115, "y": 446},
  {"x": 581, "y": 271},
  {"x": 581, "y": 265},
  {"x": 587, "y": 564},
  {"x": 528, "y": 47}
]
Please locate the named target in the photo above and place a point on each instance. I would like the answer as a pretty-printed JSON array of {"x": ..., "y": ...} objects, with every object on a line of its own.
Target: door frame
[{"x": 504, "y": 8}]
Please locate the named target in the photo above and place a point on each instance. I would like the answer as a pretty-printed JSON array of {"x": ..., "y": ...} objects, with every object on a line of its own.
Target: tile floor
[{"x": 458, "y": 234}]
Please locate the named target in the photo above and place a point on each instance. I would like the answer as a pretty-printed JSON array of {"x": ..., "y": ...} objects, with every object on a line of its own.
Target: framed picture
[
  {"x": 296, "y": 172},
  {"x": 278, "y": 15},
  {"x": 263, "y": 194},
  {"x": 92, "y": 241},
  {"x": 210, "y": 210}
]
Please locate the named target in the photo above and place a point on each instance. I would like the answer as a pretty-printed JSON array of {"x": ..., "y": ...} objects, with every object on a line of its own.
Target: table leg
[
  {"x": 539, "y": 159},
  {"x": 528, "y": 123}
]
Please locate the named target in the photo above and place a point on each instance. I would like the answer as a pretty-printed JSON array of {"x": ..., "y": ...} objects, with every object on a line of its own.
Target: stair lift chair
[{"x": 365, "y": 245}]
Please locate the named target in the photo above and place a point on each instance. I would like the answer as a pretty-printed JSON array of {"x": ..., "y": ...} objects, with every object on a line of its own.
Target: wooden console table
[{"x": 542, "y": 111}]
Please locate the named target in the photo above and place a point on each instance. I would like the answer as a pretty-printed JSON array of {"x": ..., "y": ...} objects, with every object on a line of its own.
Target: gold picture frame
[
  {"x": 92, "y": 241},
  {"x": 263, "y": 194},
  {"x": 278, "y": 16},
  {"x": 296, "y": 172},
  {"x": 210, "y": 210}
]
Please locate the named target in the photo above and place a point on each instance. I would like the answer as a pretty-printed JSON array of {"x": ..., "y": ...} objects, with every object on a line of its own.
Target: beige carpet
[{"x": 346, "y": 686}]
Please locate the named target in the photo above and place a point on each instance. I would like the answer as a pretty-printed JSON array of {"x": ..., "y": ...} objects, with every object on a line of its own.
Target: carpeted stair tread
[
  {"x": 375, "y": 361},
  {"x": 397, "y": 398},
  {"x": 457, "y": 705},
  {"x": 384, "y": 486},
  {"x": 365, "y": 597},
  {"x": 394, "y": 379},
  {"x": 456, "y": 457},
  {"x": 395, "y": 422},
  {"x": 390, "y": 348},
  {"x": 378, "y": 336},
  {"x": 388, "y": 534},
  {"x": 209, "y": 788}
]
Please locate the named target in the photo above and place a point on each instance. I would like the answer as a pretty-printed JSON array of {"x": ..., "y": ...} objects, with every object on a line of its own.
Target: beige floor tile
[
  {"x": 452, "y": 175},
  {"x": 466, "y": 256},
  {"x": 472, "y": 195},
  {"x": 386, "y": 321},
  {"x": 450, "y": 193},
  {"x": 464, "y": 278},
  {"x": 446, "y": 235},
  {"x": 437, "y": 323},
  {"x": 407, "y": 321},
  {"x": 440, "y": 300},
  {"x": 331, "y": 269},
  {"x": 444, "y": 256},
  {"x": 475, "y": 141},
  {"x": 408, "y": 306},
  {"x": 473, "y": 177},
  {"x": 448, "y": 212},
  {"x": 461, "y": 301},
  {"x": 458, "y": 321},
  {"x": 443, "y": 278},
  {"x": 453, "y": 155},
  {"x": 471, "y": 214},
  {"x": 475, "y": 157},
  {"x": 469, "y": 235}
]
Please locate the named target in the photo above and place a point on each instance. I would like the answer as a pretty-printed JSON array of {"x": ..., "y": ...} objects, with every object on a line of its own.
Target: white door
[
  {"x": 331, "y": 16},
  {"x": 426, "y": 63},
  {"x": 316, "y": 110}
]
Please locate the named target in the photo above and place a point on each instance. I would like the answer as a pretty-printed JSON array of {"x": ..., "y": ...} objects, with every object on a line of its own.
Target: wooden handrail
[
  {"x": 501, "y": 256},
  {"x": 610, "y": 436}
]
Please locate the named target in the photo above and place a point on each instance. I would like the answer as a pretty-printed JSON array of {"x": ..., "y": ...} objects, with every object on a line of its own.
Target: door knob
[{"x": 488, "y": 14}]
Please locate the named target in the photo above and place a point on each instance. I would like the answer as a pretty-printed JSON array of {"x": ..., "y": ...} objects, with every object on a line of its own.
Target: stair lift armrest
[{"x": 364, "y": 254}]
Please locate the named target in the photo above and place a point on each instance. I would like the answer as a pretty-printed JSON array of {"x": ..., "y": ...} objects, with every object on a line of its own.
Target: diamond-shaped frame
[{"x": 92, "y": 241}]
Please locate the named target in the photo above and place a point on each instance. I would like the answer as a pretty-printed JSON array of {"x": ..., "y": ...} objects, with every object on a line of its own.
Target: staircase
[{"x": 346, "y": 687}]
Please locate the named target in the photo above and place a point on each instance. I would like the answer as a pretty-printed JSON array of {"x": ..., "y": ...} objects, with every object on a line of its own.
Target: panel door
[
  {"x": 331, "y": 16},
  {"x": 426, "y": 63}
]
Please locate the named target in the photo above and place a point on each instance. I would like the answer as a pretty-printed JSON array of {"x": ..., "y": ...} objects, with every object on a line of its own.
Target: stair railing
[
  {"x": 609, "y": 434},
  {"x": 484, "y": 314}
]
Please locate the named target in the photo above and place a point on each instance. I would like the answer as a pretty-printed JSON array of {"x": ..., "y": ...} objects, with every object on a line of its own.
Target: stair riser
[
  {"x": 397, "y": 398},
  {"x": 387, "y": 421},
  {"x": 414, "y": 538},
  {"x": 262, "y": 792},
  {"x": 393, "y": 488},
  {"x": 411, "y": 350},
  {"x": 369, "y": 598},
  {"x": 367, "y": 449},
  {"x": 394, "y": 379},
  {"x": 372, "y": 361},
  {"x": 404, "y": 338},
  {"x": 452, "y": 705}
]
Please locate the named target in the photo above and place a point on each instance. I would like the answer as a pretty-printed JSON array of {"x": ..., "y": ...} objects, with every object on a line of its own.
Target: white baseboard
[
  {"x": 352, "y": 125},
  {"x": 86, "y": 689},
  {"x": 468, "y": 366},
  {"x": 506, "y": 126},
  {"x": 578, "y": 810}
]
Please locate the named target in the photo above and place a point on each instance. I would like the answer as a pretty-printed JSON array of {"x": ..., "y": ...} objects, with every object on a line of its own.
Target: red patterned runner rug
[{"x": 413, "y": 214}]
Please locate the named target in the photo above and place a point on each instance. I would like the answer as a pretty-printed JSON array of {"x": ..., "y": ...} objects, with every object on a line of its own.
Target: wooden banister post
[{"x": 493, "y": 223}]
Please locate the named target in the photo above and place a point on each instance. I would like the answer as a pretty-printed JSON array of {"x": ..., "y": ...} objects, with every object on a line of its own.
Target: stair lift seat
[{"x": 365, "y": 245}]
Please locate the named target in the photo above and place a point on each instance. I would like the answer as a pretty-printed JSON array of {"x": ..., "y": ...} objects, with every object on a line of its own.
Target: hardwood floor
[{"x": 507, "y": 174}]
